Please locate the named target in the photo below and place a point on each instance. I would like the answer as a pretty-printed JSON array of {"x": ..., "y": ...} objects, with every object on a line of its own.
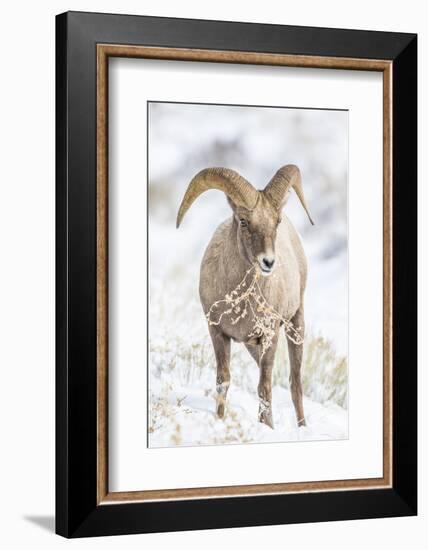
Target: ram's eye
[{"x": 243, "y": 223}]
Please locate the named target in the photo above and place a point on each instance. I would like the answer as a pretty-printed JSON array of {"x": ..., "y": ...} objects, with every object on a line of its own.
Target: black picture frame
[{"x": 77, "y": 511}]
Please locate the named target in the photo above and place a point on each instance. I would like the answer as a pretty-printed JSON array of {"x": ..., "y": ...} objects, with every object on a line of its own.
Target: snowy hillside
[{"x": 184, "y": 139}]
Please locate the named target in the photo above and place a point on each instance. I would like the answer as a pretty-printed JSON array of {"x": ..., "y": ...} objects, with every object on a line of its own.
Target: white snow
[{"x": 184, "y": 414}]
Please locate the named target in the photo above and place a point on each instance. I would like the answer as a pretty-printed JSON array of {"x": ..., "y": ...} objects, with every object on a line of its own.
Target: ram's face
[{"x": 257, "y": 231}]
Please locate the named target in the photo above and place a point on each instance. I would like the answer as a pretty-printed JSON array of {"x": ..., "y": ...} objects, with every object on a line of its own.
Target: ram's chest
[
  {"x": 258, "y": 307},
  {"x": 250, "y": 330}
]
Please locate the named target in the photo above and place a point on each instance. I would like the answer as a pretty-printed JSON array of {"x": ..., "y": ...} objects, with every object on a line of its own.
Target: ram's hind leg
[
  {"x": 221, "y": 344},
  {"x": 295, "y": 352}
]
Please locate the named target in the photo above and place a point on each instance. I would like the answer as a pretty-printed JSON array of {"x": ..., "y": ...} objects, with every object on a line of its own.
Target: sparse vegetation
[{"x": 182, "y": 399}]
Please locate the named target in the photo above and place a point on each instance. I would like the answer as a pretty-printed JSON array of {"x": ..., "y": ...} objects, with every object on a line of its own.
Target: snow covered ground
[
  {"x": 182, "y": 380},
  {"x": 182, "y": 373},
  {"x": 184, "y": 414}
]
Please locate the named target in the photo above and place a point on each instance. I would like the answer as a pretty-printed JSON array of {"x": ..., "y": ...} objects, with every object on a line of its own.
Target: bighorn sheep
[{"x": 256, "y": 237}]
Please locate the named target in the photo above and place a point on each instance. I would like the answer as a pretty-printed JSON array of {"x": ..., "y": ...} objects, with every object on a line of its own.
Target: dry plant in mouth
[{"x": 247, "y": 298}]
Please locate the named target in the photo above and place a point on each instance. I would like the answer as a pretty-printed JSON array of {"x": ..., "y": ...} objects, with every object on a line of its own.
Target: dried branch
[{"x": 247, "y": 298}]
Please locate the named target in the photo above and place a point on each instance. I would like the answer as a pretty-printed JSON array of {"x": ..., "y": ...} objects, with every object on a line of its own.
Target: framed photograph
[{"x": 236, "y": 274}]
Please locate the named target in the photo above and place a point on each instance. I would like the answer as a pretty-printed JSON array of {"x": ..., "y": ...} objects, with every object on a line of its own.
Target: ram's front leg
[
  {"x": 265, "y": 384},
  {"x": 221, "y": 344}
]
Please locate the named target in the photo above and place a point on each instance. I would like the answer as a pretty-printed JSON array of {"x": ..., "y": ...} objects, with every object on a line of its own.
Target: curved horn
[
  {"x": 237, "y": 188},
  {"x": 280, "y": 185}
]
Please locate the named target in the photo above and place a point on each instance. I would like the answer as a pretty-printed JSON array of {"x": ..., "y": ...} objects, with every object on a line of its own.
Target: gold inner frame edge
[{"x": 104, "y": 51}]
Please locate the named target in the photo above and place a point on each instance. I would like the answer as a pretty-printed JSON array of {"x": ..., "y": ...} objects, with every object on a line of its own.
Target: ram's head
[{"x": 257, "y": 214}]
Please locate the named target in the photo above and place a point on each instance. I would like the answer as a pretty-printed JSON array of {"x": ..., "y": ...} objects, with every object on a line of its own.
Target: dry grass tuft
[{"x": 324, "y": 372}]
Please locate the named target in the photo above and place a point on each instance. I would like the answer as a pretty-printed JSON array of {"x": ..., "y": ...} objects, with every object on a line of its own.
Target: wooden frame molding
[{"x": 104, "y": 52}]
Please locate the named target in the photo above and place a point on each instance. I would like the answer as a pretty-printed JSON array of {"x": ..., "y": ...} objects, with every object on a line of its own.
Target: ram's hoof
[
  {"x": 220, "y": 410},
  {"x": 265, "y": 417}
]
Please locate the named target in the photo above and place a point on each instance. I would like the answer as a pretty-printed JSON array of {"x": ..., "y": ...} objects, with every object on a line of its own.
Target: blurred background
[{"x": 255, "y": 141}]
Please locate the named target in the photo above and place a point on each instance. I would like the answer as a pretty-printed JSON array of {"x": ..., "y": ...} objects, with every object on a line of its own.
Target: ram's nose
[{"x": 266, "y": 263}]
